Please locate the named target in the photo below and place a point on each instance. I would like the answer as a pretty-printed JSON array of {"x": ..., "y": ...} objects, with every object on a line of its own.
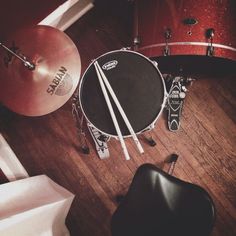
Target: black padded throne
[{"x": 158, "y": 204}]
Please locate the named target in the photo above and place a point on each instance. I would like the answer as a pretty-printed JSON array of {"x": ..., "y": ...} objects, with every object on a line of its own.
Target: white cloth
[
  {"x": 34, "y": 206},
  {"x": 9, "y": 162}
]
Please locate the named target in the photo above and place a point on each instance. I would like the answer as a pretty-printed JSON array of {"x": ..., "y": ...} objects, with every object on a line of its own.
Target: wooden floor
[{"x": 206, "y": 142}]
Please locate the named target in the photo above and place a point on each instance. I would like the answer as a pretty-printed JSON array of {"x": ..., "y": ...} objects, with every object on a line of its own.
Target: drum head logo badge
[{"x": 110, "y": 65}]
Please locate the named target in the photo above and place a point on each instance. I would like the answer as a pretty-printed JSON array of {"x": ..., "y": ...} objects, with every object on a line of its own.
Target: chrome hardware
[
  {"x": 21, "y": 57},
  {"x": 210, "y": 33},
  {"x": 79, "y": 120},
  {"x": 167, "y": 36},
  {"x": 137, "y": 40},
  {"x": 126, "y": 48},
  {"x": 155, "y": 63}
]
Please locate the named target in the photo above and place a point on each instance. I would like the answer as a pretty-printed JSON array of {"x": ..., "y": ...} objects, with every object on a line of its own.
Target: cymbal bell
[{"x": 51, "y": 83}]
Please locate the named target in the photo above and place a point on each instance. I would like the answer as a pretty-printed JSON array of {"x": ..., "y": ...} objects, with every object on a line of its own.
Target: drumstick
[
  {"x": 124, "y": 148},
  {"x": 112, "y": 93}
]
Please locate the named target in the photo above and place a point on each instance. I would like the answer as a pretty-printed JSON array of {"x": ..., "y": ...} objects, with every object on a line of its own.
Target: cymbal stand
[
  {"x": 26, "y": 63},
  {"x": 79, "y": 120}
]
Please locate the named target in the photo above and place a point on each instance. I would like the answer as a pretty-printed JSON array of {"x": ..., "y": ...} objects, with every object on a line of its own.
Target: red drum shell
[{"x": 153, "y": 17}]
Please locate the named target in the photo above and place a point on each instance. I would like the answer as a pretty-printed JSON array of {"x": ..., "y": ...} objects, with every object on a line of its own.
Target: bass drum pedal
[{"x": 176, "y": 88}]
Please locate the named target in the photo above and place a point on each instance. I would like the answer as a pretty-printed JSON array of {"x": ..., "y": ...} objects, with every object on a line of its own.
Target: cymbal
[{"x": 51, "y": 83}]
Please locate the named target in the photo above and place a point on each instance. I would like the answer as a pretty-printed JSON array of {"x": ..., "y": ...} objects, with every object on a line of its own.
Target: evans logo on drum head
[{"x": 110, "y": 65}]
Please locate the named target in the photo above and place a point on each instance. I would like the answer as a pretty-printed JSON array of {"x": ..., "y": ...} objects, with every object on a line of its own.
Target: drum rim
[
  {"x": 152, "y": 63},
  {"x": 187, "y": 43}
]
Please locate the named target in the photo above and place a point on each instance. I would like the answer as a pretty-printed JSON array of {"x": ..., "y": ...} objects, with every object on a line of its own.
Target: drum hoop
[
  {"x": 163, "y": 83},
  {"x": 188, "y": 44}
]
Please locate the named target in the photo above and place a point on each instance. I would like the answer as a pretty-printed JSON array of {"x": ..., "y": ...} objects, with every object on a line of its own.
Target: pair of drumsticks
[{"x": 104, "y": 83}]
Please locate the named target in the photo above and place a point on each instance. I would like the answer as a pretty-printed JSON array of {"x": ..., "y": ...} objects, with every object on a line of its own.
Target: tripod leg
[
  {"x": 83, "y": 142},
  {"x": 151, "y": 141},
  {"x": 78, "y": 117},
  {"x": 148, "y": 137}
]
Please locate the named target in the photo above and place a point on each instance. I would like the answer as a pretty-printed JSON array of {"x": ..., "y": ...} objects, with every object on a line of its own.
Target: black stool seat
[{"x": 162, "y": 205}]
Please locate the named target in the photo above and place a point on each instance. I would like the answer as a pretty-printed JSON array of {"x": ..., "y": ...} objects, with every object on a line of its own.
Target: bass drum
[
  {"x": 184, "y": 33},
  {"x": 138, "y": 85}
]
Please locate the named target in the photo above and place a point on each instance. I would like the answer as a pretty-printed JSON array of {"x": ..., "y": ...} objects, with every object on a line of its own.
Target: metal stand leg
[
  {"x": 150, "y": 140},
  {"x": 148, "y": 135},
  {"x": 99, "y": 139},
  {"x": 172, "y": 161},
  {"x": 78, "y": 117}
]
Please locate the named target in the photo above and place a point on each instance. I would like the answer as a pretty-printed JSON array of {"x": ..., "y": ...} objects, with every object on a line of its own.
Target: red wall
[{"x": 15, "y": 14}]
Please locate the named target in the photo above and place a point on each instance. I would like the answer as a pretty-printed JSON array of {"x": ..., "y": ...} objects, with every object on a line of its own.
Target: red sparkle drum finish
[{"x": 193, "y": 25}]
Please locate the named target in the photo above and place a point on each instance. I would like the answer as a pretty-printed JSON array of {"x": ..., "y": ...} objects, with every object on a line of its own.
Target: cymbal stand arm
[{"x": 26, "y": 63}]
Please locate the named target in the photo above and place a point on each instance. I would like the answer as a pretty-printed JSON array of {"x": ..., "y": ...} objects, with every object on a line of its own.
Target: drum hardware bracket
[
  {"x": 210, "y": 33},
  {"x": 155, "y": 64},
  {"x": 167, "y": 35},
  {"x": 126, "y": 48},
  {"x": 177, "y": 93},
  {"x": 79, "y": 119},
  {"x": 149, "y": 128},
  {"x": 136, "y": 42}
]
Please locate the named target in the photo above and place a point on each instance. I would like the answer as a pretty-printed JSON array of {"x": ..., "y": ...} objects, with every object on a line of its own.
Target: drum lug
[
  {"x": 165, "y": 104},
  {"x": 210, "y": 51},
  {"x": 150, "y": 127},
  {"x": 166, "y": 50},
  {"x": 155, "y": 63},
  {"x": 126, "y": 48},
  {"x": 209, "y": 35}
]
